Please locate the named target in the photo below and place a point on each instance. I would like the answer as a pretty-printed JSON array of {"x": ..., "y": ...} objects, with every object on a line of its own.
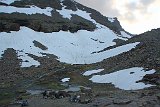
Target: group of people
[
  {"x": 76, "y": 97},
  {"x": 55, "y": 94}
]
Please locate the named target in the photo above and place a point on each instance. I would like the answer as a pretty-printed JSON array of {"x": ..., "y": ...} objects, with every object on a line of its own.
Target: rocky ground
[{"x": 118, "y": 98}]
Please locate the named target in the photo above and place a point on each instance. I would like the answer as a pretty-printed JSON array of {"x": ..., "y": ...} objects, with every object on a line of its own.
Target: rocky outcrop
[
  {"x": 40, "y": 3},
  {"x": 42, "y": 23},
  {"x": 5, "y": 26},
  {"x": 152, "y": 78},
  {"x": 9, "y": 68},
  {"x": 69, "y": 5},
  {"x": 121, "y": 101},
  {"x": 39, "y": 45}
]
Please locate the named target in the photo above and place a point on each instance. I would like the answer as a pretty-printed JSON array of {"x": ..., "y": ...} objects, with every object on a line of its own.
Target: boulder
[
  {"x": 152, "y": 78},
  {"x": 14, "y": 27},
  {"x": 121, "y": 101}
]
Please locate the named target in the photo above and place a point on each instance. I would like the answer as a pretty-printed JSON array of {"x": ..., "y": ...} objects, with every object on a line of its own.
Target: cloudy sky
[{"x": 136, "y": 16}]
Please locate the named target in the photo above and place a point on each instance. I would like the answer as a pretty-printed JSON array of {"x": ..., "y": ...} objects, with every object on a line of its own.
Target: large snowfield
[{"x": 72, "y": 48}]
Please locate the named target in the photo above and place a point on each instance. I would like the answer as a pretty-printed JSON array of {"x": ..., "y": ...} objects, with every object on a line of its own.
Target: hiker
[
  {"x": 75, "y": 98},
  {"x": 47, "y": 94},
  {"x": 61, "y": 94},
  {"x": 52, "y": 94},
  {"x": 44, "y": 94},
  {"x": 24, "y": 103}
]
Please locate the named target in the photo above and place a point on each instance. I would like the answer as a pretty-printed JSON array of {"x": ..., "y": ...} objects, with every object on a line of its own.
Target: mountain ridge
[{"x": 71, "y": 5}]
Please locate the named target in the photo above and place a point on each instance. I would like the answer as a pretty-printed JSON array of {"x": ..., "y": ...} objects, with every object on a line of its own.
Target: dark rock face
[
  {"x": 42, "y": 23},
  {"x": 82, "y": 23},
  {"x": 5, "y": 26},
  {"x": 152, "y": 78},
  {"x": 70, "y": 5},
  {"x": 14, "y": 27},
  {"x": 39, "y": 3}
]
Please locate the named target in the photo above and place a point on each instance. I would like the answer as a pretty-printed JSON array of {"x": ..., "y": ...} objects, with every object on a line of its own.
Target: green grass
[
  {"x": 6, "y": 98},
  {"x": 55, "y": 86},
  {"x": 5, "y": 101},
  {"x": 5, "y": 85},
  {"x": 50, "y": 85}
]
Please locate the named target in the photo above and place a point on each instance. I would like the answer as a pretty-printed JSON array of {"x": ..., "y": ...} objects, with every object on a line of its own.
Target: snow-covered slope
[{"x": 72, "y": 48}]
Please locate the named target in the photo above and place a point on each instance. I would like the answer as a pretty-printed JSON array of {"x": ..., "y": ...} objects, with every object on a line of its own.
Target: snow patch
[
  {"x": 65, "y": 79},
  {"x": 8, "y": 1},
  {"x": 27, "y": 61},
  {"x": 68, "y": 14},
  {"x": 90, "y": 72},
  {"x": 125, "y": 35},
  {"x": 61, "y": 0},
  {"x": 124, "y": 79},
  {"x": 111, "y": 19},
  {"x": 31, "y": 10}
]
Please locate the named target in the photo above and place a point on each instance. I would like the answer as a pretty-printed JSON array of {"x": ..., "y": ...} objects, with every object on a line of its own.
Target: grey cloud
[
  {"x": 132, "y": 7},
  {"x": 146, "y": 2},
  {"x": 107, "y": 7},
  {"x": 104, "y": 6},
  {"x": 142, "y": 5},
  {"x": 129, "y": 16}
]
